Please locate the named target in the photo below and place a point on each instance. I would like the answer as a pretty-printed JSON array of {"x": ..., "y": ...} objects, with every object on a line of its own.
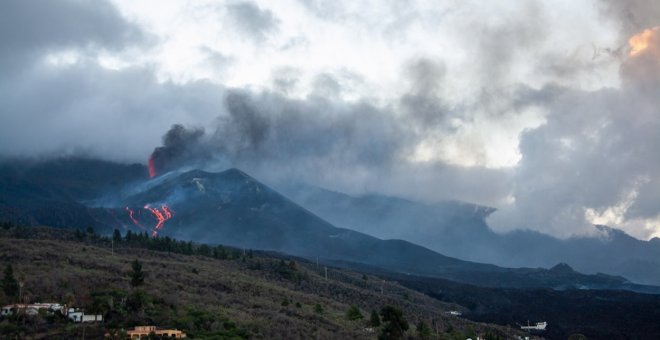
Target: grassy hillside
[{"x": 210, "y": 292}]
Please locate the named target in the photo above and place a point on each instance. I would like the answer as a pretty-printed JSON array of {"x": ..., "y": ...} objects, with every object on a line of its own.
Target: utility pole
[
  {"x": 112, "y": 243},
  {"x": 382, "y": 284},
  {"x": 326, "y": 273}
]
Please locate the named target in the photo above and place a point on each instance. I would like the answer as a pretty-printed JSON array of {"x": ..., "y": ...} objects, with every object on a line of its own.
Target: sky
[{"x": 545, "y": 110}]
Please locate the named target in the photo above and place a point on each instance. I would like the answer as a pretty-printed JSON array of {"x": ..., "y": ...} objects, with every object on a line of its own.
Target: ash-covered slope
[{"x": 233, "y": 208}]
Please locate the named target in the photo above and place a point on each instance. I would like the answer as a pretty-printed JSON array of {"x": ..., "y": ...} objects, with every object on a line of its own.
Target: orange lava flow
[
  {"x": 131, "y": 214},
  {"x": 161, "y": 217},
  {"x": 167, "y": 211}
]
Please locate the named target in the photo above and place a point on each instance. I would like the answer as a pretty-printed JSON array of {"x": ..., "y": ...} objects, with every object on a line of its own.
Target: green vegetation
[
  {"x": 394, "y": 323},
  {"x": 318, "y": 309},
  {"x": 9, "y": 283},
  {"x": 137, "y": 276},
  {"x": 208, "y": 291},
  {"x": 354, "y": 313},
  {"x": 423, "y": 330},
  {"x": 374, "y": 321}
]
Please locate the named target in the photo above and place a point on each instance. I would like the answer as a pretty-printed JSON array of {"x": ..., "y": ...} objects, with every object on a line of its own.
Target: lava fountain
[{"x": 152, "y": 167}]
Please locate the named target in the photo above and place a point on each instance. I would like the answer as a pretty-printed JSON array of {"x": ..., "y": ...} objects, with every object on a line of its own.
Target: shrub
[
  {"x": 395, "y": 324},
  {"x": 353, "y": 313}
]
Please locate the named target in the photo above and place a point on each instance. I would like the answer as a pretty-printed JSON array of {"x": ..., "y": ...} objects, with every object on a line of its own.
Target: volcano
[{"x": 233, "y": 208}]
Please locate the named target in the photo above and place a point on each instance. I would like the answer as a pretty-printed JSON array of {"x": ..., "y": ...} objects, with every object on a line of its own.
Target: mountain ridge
[
  {"x": 234, "y": 208},
  {"x": 232, "y": 197}
]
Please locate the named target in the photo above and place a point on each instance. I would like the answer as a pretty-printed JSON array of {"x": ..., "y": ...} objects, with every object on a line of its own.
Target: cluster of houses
[
  {"x": 32, "y": 309},
  {"x": 77, "y": 315}
]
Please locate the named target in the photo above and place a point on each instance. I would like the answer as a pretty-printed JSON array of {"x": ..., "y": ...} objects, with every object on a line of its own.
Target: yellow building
[{"x": 140, "y": 332}]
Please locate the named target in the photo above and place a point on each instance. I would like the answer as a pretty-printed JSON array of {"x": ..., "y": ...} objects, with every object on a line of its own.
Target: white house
[{"x": 79, "y": 316}]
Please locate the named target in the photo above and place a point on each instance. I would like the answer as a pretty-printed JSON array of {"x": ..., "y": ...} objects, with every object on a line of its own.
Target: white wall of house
[{"x": 82, "y": 317}]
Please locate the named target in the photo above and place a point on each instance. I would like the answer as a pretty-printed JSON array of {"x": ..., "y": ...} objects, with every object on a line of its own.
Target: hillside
[
  {"x": 597, "y": 314},
  {"x": 240, "y": 295}
]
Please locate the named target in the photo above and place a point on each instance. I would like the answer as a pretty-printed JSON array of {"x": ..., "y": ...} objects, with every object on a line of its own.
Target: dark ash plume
[{"x": 180, "y": 146}]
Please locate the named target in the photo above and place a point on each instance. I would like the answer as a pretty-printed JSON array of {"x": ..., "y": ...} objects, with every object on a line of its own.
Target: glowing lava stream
[
  {"x": 161, "y": 217},
  {"x": 131, "y": 214},
  {"x": 163, "y": 214},
  {"x": 167, "y": 212}
]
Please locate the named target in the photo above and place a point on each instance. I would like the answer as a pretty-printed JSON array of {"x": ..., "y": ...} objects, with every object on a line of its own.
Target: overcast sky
[{"x": 546, "y": 110}]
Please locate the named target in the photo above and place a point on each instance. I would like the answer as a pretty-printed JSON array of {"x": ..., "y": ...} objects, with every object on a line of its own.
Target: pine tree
[
  {"x": 395, "y": 324},
  {"x": 79, "y": 235},
  {"x": 137, "y": 276},
  {"x": 375, "y": 319},
  {"x": 116, "y": 236},
  {"x": 318, "y": 308},
  {"x": 423, "y": 330},
  {"x": 9, "y": 282}
]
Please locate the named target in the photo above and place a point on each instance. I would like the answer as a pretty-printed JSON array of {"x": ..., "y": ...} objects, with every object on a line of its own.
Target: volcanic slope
[{"x": 233, "y": 208}]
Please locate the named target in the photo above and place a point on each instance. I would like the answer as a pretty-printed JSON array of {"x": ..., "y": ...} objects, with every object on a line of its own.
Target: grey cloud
[
  {"x": 252, "y": 20},
  {"x": 115, "y": 115},
  {"x": 633, "y": 15},
  {"x": 286, "y": 79},
  {"x": 332, "y": 84},
  {"x": 28, "y": 28},
  {"x": 500, "y": 44},
  {"x": 325, "y": 85},
  {"x": 595, "y": 149},
  {"x": 325, "y": 9},
  {"x": 216, "y": 59},
  {"x": 423, "y": 101}
]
